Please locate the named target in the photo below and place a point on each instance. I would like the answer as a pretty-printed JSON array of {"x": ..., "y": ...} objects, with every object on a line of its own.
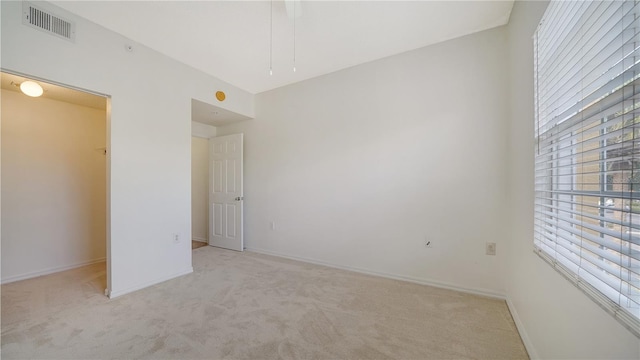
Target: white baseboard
[
  {"x": 199, "y": 239},
  {"x": 115, "y": 294},
  {"x": 48, "y": 271},
  {"x": 434, "y": 283},
  {"x": 523, "y": 332}
]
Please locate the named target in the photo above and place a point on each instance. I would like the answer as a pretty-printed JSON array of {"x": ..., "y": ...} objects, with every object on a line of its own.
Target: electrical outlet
[
  {"x": 491, "y": 248},
  {"x": 176, "y": 238}
]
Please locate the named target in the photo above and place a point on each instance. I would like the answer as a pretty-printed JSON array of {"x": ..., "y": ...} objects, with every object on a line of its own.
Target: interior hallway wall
[
  {"x": 53, "y": 185},
  {"x": 199, "y": 189},
  {"x": 149, "y": 132}
]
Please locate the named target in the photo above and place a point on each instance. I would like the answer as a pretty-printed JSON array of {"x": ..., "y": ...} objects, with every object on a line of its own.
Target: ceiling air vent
[{"x": 44, "y": 20}]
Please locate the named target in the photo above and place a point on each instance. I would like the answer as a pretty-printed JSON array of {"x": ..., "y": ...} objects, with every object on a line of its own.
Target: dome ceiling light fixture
[{"x": 31, "y": 88}]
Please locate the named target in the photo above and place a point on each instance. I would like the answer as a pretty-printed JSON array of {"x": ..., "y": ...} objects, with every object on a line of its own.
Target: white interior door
[{"x": 225, "y": 192}]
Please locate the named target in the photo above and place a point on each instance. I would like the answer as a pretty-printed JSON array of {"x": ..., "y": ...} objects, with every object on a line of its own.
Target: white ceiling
[
  {"x": 12, "y": 82},
  {"x": 230, "y": 39},
  {"x": 213, "y": 115}
]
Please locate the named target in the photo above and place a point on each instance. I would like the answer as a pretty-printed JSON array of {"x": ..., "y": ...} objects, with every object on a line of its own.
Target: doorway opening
[
  {"x": 55, "y": 186},
  {"x": 199, "y": 191},
  {"x": 216, "y": 206}
]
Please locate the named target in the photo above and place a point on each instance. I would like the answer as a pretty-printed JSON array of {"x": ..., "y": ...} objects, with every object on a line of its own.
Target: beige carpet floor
[
  {"x": 252, "y": 306},
  {"x": 197, "y": 244}
]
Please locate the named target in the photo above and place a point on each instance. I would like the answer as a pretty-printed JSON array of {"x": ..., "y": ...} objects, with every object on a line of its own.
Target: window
[{"x": 587, "y": 164}]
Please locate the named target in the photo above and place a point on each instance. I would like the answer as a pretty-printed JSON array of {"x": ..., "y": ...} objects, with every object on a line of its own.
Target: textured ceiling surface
[{"x": 237, "y": 41}]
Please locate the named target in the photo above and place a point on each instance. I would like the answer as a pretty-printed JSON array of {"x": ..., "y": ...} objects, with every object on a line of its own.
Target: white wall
[
  {"x": 53, "y": 185},
  {"x": 357, "y": 167},
  {"x": 200, "y": 189},
  {"x": 150, "y": 132},
  {"x": 200, "y": 180},
  {"x": 557, "y": 321},
  {"x": 202, "y": 130}
]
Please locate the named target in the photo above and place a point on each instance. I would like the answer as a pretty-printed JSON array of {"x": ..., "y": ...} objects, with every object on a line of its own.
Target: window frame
[{"x": 573, "y": 232}]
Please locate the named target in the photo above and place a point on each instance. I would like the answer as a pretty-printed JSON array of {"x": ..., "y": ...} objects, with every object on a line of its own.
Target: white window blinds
[{"x": 587, "y": 165}]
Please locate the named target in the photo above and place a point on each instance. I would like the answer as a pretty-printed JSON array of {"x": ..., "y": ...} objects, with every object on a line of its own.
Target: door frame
[
  {"x": 205, "y": 136},
  {"x": 107, "y": 291}
]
